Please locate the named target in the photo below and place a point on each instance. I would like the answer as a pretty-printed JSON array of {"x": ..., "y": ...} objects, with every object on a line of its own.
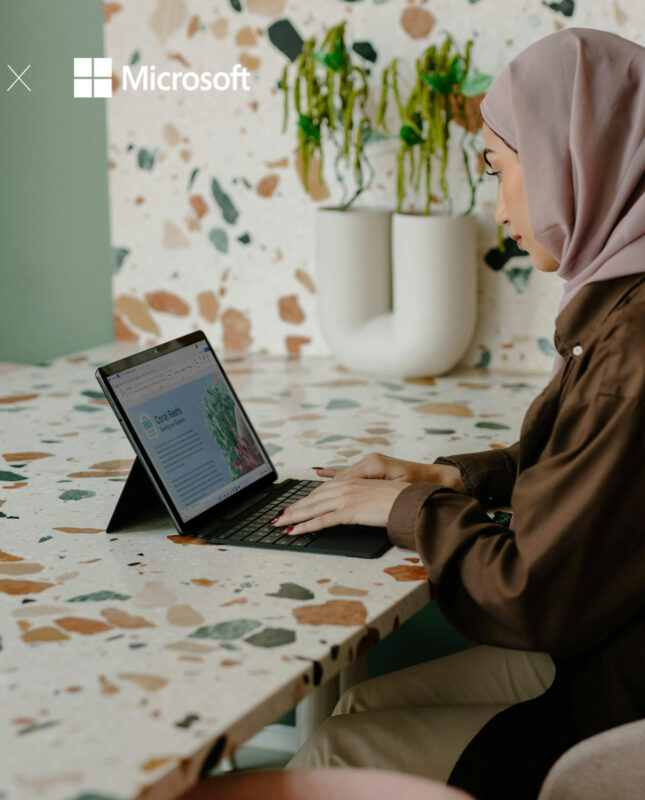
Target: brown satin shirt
[{"x": 570, "y": 578}]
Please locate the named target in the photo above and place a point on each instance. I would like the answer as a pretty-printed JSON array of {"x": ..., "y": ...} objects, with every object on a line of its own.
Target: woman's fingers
[
  {"x": 373, "y": 465},
  {"x": 359, "y": 501},
  {"x": 312, "y": 514},
  {"x": 334, "y": 493},
  {"x": 330, "y": 496},
  {"x": 317, "y": 523},
  {"x": 324, "y": 498}
]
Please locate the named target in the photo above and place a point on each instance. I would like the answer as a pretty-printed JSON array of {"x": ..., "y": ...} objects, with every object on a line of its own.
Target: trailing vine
[
  {"x": 328, "y": 94},
  {"x": 441, "y": 80}
]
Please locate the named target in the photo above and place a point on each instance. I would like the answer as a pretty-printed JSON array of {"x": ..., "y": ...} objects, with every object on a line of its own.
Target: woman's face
[{"x": 511, "y": 204}]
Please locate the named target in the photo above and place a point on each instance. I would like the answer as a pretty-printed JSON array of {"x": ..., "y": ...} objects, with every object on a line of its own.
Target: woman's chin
[{"x": 549, "y": 266}]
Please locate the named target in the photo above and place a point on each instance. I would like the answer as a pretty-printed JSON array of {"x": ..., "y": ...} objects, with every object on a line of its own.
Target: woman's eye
[{"x": 495, "y": 173}]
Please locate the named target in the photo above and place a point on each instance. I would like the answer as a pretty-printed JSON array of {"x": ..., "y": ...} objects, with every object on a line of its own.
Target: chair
[
  {"x": 322, "y": 783},
  {"x": 607, "y": 766}
]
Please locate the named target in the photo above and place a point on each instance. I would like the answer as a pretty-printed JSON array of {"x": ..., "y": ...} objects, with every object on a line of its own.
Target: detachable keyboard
[{"x": 250, "y": 527}]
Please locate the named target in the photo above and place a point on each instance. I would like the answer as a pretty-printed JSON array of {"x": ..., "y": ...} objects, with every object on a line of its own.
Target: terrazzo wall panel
[{"x": 211, "y": 226}]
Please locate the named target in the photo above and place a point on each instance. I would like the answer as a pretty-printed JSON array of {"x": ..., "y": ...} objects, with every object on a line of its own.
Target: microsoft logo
[{"x": 92, "y": 77}]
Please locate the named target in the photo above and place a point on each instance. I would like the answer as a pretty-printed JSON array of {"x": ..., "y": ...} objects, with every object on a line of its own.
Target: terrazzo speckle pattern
[
  {"x": 126, "y": 658},
  {"x": 210, "y": 221}
]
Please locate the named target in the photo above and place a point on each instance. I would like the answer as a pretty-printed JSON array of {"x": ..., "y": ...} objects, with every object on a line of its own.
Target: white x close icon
[{"x": 18, "y": 78}]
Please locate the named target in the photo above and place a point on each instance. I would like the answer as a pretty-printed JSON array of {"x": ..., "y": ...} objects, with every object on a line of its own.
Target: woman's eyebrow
[{"x": 488, "y": 150}]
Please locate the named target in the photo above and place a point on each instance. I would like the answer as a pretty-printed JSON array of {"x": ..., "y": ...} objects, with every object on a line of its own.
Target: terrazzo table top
[{"x": 125, "y": 658}]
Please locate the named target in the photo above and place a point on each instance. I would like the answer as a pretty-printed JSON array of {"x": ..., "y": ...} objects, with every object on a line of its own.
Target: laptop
[{"x": 200, "y": 458}]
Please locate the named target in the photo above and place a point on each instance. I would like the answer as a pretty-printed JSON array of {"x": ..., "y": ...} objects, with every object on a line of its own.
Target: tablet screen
[{"x": 191, "y": 426}]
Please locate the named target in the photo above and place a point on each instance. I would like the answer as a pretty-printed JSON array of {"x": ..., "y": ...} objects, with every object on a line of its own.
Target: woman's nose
[{"x": 501, "y": 215}]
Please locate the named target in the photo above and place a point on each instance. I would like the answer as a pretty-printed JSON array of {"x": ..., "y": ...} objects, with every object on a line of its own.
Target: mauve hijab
[{"x": 572, "y": 105}]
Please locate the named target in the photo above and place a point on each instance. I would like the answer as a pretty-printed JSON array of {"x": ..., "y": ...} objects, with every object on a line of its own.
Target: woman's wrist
[{"x": 445, "y": 474}]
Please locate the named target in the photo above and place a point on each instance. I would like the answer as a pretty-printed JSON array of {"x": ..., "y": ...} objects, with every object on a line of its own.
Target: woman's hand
[
  {"x": 379, "y": 466},
  {"x": 353, "y": 501}
]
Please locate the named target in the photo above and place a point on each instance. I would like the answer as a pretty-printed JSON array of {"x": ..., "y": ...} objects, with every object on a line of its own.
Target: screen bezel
[{"x": 103, "y": 372}]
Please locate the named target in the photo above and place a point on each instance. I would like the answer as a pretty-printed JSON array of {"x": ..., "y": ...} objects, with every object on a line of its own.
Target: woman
[{"x": 556, "y": 599}]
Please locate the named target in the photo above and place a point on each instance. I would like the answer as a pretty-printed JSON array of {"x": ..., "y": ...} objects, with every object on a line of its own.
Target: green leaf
[
  {"x": 333, "y": 61},
  {"x": 440, "y": 83},
  {"x": 476, "y": 84},
  {"x": 409, "y": 135},
  {"x": 457, "y": 70},
  {"x": 308, "y": 127}
]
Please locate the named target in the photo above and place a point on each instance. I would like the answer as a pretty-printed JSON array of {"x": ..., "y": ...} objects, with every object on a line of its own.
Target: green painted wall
[
  {"x": 424, "y": 636},
  {"x": 55, "y": 270}
]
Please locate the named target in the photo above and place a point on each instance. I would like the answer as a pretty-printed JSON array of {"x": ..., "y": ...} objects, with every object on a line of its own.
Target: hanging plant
[
  {"x": 441, "y": 86},
  {"x": 328, "y": 94}
]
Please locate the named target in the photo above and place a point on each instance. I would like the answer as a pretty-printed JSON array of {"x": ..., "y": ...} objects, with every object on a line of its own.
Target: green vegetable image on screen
[{"x": 229, "y": 431}]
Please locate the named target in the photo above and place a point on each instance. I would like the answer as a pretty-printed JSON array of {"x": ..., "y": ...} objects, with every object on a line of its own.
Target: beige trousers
[{"x": 420, "y": 719}]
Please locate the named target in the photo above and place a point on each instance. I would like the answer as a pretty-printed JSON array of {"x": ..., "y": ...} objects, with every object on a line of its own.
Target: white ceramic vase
[{"x": 397, "y": 293}]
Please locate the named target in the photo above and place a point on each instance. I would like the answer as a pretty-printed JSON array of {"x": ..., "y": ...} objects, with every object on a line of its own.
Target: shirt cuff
[
  {"x": 405, "y": 510},
  {"x": 487, "y": 476}
]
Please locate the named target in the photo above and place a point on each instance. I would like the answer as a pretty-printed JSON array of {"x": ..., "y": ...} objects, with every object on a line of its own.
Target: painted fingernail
[
  {"x": 318, "y": 468},
  {"x": 289, "y": 529},
  {"x": 277, "y": 516}
]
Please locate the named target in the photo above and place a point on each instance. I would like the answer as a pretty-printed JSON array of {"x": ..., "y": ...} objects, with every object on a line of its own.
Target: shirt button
[{"x": 577, "y": 350}]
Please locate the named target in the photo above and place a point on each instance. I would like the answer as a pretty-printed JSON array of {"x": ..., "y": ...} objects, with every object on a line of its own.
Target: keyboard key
[
  {"x": 286, "y": 539},
  {"x": 271, "y": 538},
  {"x": 238, "y": 535}
]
